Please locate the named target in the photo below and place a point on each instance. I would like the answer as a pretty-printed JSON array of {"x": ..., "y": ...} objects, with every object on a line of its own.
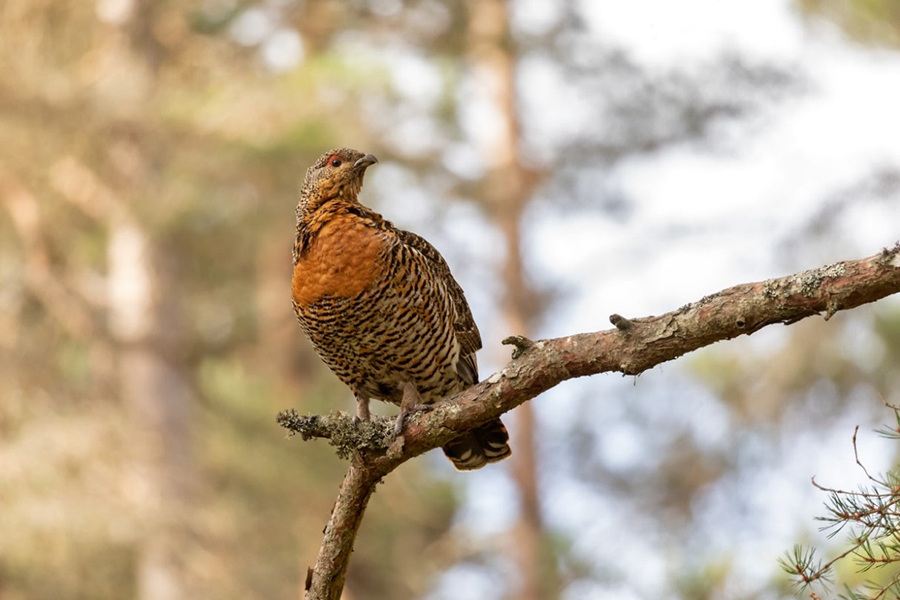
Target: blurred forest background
[{"x": 569, "y": 159}]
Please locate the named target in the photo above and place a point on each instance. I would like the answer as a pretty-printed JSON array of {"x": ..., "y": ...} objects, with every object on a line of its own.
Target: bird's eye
[{"x": 335, "y": 161}]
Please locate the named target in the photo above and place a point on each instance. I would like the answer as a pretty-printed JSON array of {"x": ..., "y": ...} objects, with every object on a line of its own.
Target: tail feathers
[{"x": 479, "y": 447}]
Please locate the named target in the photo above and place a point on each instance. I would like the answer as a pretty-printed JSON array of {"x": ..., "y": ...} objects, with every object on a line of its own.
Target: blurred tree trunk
[
  {"x": 143, "y": 320},
  {"x": 145, "y": 309},
  {"x": 508, "y": 187}
]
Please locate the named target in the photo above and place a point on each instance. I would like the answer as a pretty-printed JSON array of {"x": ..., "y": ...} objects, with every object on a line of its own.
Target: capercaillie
[{"x": 380, "y": 305}]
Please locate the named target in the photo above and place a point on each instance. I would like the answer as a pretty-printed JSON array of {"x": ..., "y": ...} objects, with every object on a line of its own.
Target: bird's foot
[
  {"x": 400, "y": 423},
  {"x": 362, "y": 409}
]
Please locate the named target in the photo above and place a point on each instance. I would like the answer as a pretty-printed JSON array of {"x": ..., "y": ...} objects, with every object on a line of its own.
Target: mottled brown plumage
[{"x": 381, "y": 307}]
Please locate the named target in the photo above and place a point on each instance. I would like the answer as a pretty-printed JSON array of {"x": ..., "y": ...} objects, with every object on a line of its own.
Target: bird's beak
[{"x": 366, "y": 161}]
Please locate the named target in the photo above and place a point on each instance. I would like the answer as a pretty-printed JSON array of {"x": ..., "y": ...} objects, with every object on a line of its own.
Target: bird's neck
[{"x": 312, "y": 217}]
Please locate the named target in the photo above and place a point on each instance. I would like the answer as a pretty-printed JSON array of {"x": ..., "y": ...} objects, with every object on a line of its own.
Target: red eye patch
[{"x": 334, "y": 160}]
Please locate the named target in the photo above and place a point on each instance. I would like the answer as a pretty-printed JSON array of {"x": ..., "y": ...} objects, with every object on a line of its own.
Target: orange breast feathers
[{"x": 342, "y": 260}]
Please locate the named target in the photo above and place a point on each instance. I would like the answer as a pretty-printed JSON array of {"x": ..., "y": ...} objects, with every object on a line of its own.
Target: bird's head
[{"x": 337, "y": 174}]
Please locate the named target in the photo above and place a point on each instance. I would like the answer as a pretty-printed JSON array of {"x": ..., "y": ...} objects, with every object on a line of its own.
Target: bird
[{"x": 381, "y": 308}]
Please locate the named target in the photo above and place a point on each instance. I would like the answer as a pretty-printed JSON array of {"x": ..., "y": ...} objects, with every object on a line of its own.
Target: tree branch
[{"x": 633, "y": 347}]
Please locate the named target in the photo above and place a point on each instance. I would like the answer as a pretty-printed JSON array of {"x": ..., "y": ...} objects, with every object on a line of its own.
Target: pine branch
[
  {"x": 871, "y": 515},
  {"x": 634, "y": 346}
]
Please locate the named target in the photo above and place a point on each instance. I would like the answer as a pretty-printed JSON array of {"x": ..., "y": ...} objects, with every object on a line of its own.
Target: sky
[
  {"x": 736, "y": 214},
  {"x": 745, "y": 203}
]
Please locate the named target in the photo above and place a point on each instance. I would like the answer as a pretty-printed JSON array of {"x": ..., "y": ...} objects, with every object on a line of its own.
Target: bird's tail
[{"x": 479, "y": 447}]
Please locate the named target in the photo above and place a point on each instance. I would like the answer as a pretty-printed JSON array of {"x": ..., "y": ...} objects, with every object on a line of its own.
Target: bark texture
[{"x": 632, "y": 347}]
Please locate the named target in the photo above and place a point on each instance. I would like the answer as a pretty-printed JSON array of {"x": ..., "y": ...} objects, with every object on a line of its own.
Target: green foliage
[{"x": 870, "y": 517}]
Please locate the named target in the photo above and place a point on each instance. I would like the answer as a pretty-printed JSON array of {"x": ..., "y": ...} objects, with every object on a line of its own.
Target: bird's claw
[{"x": 400, "y": 423}]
